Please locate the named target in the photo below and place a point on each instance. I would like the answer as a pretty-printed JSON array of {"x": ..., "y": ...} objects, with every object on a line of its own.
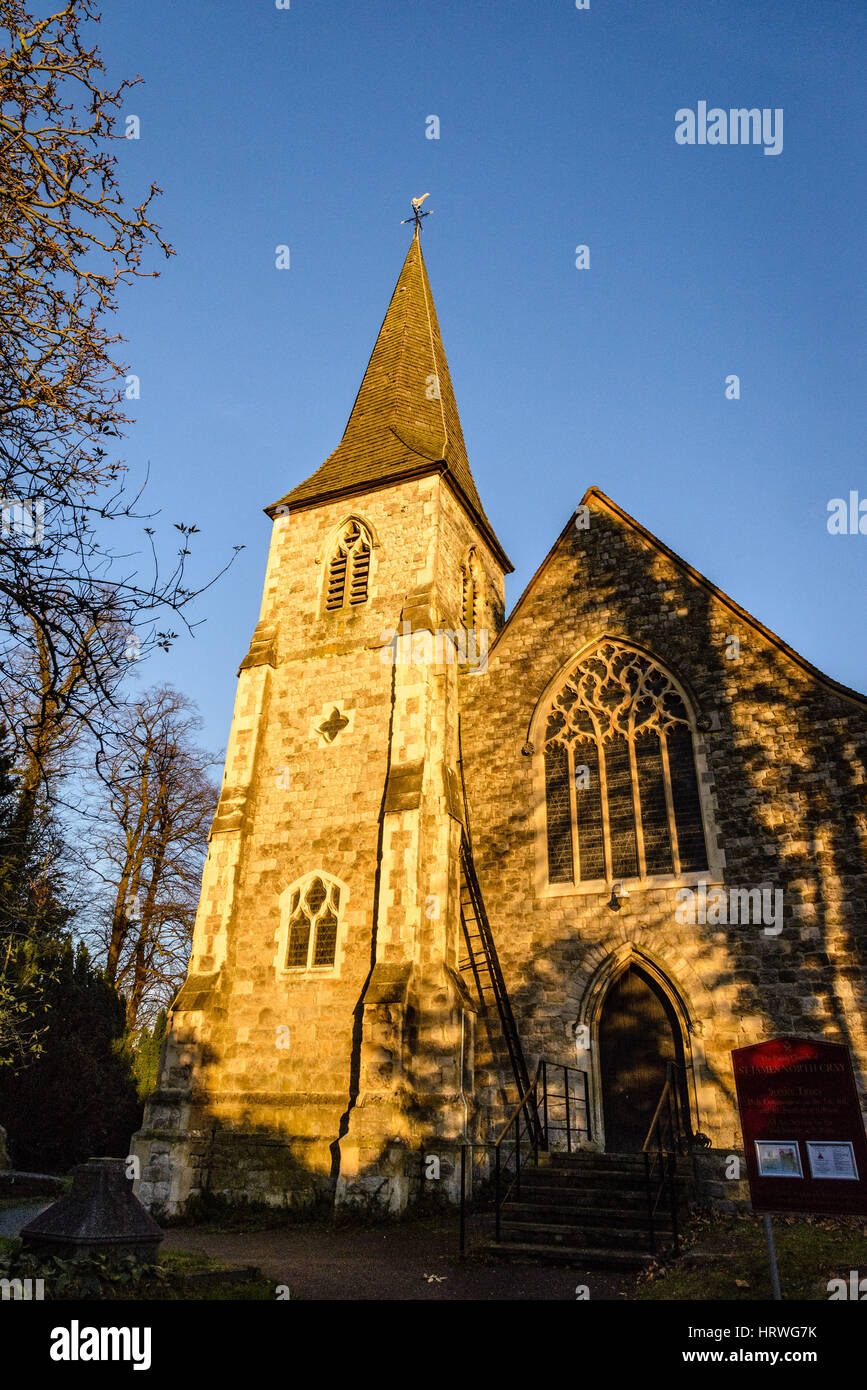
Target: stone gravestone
[{"x": 99, "y": 1216}]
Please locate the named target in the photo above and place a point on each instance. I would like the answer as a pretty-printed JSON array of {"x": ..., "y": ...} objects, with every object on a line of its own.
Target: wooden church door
[{"x": 638, "y": 1035}]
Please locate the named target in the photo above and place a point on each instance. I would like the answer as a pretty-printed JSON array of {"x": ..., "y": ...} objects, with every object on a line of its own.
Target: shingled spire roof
[{"x": 405, "y": 418}]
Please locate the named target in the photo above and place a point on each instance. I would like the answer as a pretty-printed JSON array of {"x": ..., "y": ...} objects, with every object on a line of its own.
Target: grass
[
  {"x": 179, "y": 1275},
  {"x": 179, "y": 1282},
  {"x": 726, "y": 1258}
]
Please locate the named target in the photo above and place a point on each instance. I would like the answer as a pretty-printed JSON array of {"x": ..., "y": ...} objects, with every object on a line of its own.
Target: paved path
[
  {"x": 410, "y": 1261},
  {"x": 14, "y": 1215}
]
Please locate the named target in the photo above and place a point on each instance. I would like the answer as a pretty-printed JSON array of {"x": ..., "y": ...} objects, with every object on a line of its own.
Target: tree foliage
[
  {"x": 154, "y": 813},
  {"x": 77, "y": 1097},
  {"x": 68, "y": 241},
  {"x": 146, "y": 1058}
]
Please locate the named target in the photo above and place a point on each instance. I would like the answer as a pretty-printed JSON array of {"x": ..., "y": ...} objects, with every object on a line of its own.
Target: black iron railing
[
  {"x": 667, "y": 1139},
  {"x": 545, "y": 1117}
]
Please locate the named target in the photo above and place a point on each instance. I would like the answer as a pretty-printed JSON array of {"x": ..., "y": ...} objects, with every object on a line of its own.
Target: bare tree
[
  {"x": 45, "y": 691},
  {"x": 150, "y": 845},
  {"x": 67, "y": 242}
]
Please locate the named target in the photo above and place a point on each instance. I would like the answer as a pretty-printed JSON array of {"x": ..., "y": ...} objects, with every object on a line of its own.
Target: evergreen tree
[
  {"x": 77, "y": 1098},
  {"x": 146, "y": 1058},
  {"x": 66, "y": 1086}
]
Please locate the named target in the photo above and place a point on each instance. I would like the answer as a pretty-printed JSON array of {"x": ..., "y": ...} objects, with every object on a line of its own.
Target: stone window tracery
[
  {"x": 621, "y": 788},
  {"x": 314, "y": 914},
  {"x": 349, "y": 568}
]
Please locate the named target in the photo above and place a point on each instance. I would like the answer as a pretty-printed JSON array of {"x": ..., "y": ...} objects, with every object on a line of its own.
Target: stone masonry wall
[
  {"x": 782, "y": 759},
  {"x": 275, "y": 1080}
]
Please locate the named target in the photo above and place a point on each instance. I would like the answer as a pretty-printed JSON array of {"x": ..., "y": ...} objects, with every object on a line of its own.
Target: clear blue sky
[{"x": 306, "y": 127}]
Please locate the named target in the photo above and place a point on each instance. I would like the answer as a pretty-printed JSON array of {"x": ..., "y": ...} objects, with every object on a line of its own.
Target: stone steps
[
  {"x": 554, "y": 1194},
  {"x": 612, "y": 1218},
  {"x": 577, "y": 1237},
  {"x": 599, "y": 1258},
  {"x": 586, "y": 1209}
]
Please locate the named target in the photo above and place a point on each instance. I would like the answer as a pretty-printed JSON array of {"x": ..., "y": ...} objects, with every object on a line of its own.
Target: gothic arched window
[
  {"x": 314, "y": 914},
  {"x": 349, "y": 568},
  {"x": 621, "y": 788}
]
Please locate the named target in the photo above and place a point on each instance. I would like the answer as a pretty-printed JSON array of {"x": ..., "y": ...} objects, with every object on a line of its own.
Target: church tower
[{"x": 322, "y": 1041}]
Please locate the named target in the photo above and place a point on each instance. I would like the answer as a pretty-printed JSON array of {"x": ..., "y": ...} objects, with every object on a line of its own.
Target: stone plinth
[{"x": 99, "y": 1216}]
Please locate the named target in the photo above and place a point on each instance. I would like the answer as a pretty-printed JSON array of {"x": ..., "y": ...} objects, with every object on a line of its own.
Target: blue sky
[{"x": 306, "y": 127}]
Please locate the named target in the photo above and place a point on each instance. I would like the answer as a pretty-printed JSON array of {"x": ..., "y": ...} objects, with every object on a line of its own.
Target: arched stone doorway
[{"x": 638, "y": 1035}]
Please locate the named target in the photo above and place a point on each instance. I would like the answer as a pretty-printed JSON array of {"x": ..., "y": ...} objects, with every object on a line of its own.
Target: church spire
[{"x": 405, "y": 419}]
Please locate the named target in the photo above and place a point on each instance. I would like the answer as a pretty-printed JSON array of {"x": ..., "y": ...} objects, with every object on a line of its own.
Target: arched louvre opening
[
  {"x": 349, "y": 569},
  {"x": 470, "y": 590},
  {"x": 621, "y": 788}
]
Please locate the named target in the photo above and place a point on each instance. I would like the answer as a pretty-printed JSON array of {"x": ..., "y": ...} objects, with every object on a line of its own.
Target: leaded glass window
[
  {"x": 621, "y": 810},
  {"x": 559, "y": 815},
  {"x": 588, "y": 810},
  {"x": 621, "y": 788},
  {"x": 653, "y": 802},
  {"x": 314, "y": 912},
  {"x": 687, "y": 805}
]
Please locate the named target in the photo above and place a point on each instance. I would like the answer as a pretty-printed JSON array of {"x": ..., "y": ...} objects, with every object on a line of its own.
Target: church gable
[
  {"x": 606, "y": 574},
  {"x": 763, "y": 718},
  {"x": 617, "y": 657}
]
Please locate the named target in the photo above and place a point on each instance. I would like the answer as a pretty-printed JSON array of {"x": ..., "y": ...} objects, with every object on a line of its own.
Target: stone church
[{"x": 622, "y": 831}]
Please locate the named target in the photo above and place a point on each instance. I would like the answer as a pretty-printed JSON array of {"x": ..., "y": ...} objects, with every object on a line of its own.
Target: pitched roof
[
  {"x": 597, "y": 496},
  {"x": 405, "y": 419}
]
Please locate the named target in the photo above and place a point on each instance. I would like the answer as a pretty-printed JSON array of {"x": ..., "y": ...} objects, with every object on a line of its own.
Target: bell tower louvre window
[
  {"x": 349, "y": 569},
  {"x": 470, "y": 590}
]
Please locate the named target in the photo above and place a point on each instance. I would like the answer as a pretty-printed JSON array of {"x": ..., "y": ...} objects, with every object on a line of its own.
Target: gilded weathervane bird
[{"x": 417, "y": 213}]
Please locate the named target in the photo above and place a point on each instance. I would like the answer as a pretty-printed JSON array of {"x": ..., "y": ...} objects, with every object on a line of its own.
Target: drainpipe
[
  {"x": 463, "y": 1094},
  {"x": 465, "y": 1135}
]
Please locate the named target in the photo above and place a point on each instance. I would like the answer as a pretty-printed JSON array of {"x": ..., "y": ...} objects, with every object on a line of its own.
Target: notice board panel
[{"x": 803, "y": 1131}]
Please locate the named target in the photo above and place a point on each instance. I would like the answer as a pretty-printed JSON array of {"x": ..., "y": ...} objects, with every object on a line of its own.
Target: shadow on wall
[{"x": 791, "y": 809}]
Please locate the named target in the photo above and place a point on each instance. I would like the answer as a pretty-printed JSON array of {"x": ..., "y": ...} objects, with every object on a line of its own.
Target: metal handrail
[
  {"x": 538, "y": 1128},
  {"x": 665, "y": 1092},
  {"x": 665, "y": 1156},
  {"x": 521, "y": 1103}
]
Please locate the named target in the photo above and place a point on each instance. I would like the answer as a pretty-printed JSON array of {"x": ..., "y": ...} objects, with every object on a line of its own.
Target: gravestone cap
[{"x": 100, "y": 1215}]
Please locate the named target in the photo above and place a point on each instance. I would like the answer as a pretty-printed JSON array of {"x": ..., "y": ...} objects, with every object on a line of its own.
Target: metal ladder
[{"x": 482, "y": 963}]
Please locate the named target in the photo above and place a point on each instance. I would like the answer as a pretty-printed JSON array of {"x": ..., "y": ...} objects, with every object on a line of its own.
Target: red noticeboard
[{"x": 803, "y": 1133}]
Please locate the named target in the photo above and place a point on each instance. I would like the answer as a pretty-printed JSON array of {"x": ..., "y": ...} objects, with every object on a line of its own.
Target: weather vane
[{"x": 417, "y": 213}]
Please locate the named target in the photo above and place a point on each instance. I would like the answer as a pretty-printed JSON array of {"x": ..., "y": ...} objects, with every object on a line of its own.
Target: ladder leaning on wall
[{"x": 482, "y": 963}]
